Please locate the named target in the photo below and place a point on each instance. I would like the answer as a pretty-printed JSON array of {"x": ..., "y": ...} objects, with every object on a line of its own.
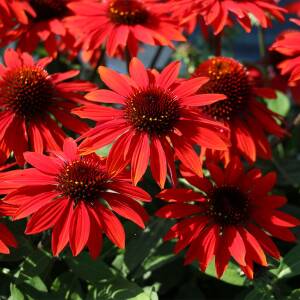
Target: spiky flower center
[
  {"x": 152, "y": 110},
  {"x": 82, "y": 180},
  {"x": 129, "y": 12},
  {"x": 48, "y": 9},
  {"x": 228, "y": 205},
  {"x": 229, "y": 77},
  {"x": 27, "y": 90}
]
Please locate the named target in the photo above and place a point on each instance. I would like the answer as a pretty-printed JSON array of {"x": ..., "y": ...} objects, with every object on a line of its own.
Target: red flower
[
  {"x": 288, "y": 44},
  {"x": 249, "y": 120},
  {"x": 120, "y": 24},
  {"x": 232, "y": 216},
  {"x": 75, "y": 196},
  {"x": 46, "y": 24},
  {"x": 221, "y": 13},
  {"x": 29, "y": 99},
  {"x": 154, "y": 117}
]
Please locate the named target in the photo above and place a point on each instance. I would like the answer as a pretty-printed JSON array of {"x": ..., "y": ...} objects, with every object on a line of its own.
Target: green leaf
[
  {"x": 119, "y": 289},
  {"x": 260, "y": 294},
  {"x": 15, "y": 293},
  {"x": 67, "y": 286},
  {"x": 36, "y": 263},
  {"x": 87, "y": 269},
  {"x": 281, "y": 105},
  {"x": 290, "y": 264},
  {"x": 232, "y": 275},
  {"x": 146, "y": 242},
  {"x": 294, "y": 295}
]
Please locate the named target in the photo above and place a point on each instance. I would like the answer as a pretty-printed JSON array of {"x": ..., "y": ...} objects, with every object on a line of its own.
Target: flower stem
[
  {"x": 218, "y": 45},
  {"x": 261, "y": 43},
  {"x": 156, "y": 57},
  {"x": 127, "y": 58}
]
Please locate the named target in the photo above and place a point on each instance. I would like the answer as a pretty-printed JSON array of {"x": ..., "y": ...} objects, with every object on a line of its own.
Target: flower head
[
  {"x": 221, "y": 13},
  {"x": 29, "y": 99},
  {"x": 232, "y": 215},
  {"x": 287, "y": 43},
  {"x": 155, "y": 117},
  {"x": 249, "y": 120},
  {"x": 74, "y": 195},
  {"x": 119, "y": 24},
  {"x": 45, "y": 24}
]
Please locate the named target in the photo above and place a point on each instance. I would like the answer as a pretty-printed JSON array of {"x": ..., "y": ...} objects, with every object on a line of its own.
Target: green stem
[
  {"x": 262, "y": 43},
  {"x": 156, "y": 57}
]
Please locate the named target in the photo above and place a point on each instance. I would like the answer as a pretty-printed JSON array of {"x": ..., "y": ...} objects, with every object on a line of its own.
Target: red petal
[
  {"x": 236, "y": 244},
  {"x": 158, "y": 162},
  {"x": 61, "y": 230},
  {"x": 140, "y": 158},
  {"x": 127, "y": 208},
  {"x": 79, "y": 228},
  {"x": 95, "y": 240},
  {"x": 114, "y": 81},
  {"x": 70, "y": 149},
  {"x": 203, "y": 99},
  {"x": 105, "y": 96},
  {"x": 189, "y": 87},
  {"x": 111, "y": 226},
  {"x": 46, "y": 217},
  {"x": 129, "y": 190},
  {"x": 138, "y": 72},
  {"x": 178, "y": 210},
  {"x": 169, "y": 74},
  {"x": 179, "y": 195},
  {"x": 187, "y": 154},
  {"x": 45, "y": 164}
]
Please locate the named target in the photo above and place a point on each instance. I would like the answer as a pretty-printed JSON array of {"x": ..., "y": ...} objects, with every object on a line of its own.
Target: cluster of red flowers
[{"x": 152, "y": 119}]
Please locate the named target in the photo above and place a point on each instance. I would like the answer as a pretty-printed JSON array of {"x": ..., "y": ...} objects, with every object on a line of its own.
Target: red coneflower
[
  {"x": 154, "y": 117},
  {"x": 29, "y": 99},
  {"x": 221, "y": 13},
  {"x": 46, "y": 26},
  {"x": 75, "y": 196},
  {"x": 288, "y": 44},
  {"x": 122, "y": 24},
  {"x": 249, "y": 120},
  {"x": 231, "y": 216}
]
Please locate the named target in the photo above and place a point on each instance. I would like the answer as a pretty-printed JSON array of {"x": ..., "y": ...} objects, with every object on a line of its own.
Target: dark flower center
[
  {"x": 153, "y": 110},
  {"x": 27, "y": 90},
  {"x": 83, "y": 179},
  {"x": 229, "y": 77},
  {"x": 129, "y": 12},
  {"x": 48, "y": 9},
  {"x": 228, "y": 205}
]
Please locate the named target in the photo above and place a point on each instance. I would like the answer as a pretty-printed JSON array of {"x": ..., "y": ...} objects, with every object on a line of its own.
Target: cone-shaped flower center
[
  {"x": 27, "y": 90},
  {"x": 152, "y": 110},
  {"x": 129, "y": 12},
  {"x": 83, "y": 179},
  {"x": 229, "y": 77},
  {"x": 228, "y": 205},
  {"x": 48, "y": 9}
]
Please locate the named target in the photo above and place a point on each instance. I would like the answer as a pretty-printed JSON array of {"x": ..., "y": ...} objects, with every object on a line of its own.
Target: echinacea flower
[
  {"x": 74, "y": 195},
  {"x": 46, "y": 25},
  {"x": 32, "y": 101},
  {"x": 288, "y": 44},
  {"x": 123, "y": 24},
  {"x": 232, "y": 215},
  {"x": 155, "y": 117},
  {"x": 249, "y": 119},
  {"x": 221, "y": 13}
]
